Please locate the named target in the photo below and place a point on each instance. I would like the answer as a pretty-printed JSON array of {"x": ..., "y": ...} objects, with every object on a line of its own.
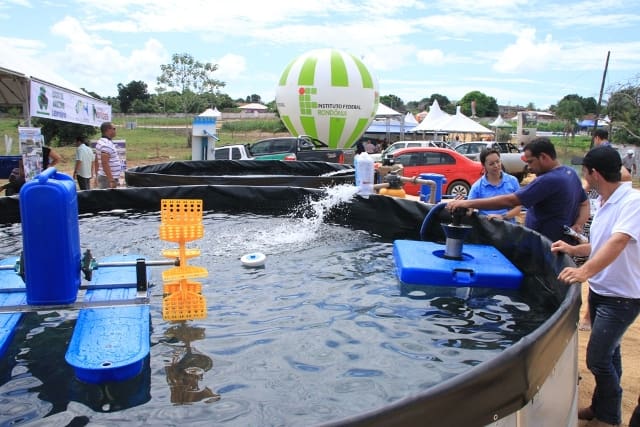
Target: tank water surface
[{"x": 322, "y": 332}]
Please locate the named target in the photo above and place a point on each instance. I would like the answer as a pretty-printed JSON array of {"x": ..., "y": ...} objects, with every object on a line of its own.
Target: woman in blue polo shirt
[{"x": 495, "y": 182}]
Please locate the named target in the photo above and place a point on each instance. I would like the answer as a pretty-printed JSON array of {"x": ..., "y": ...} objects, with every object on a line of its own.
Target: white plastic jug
[{"x": 364, "y": 173}]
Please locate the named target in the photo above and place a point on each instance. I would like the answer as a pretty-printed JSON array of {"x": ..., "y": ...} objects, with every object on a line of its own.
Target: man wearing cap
[
  {"x": 554, "y": 199},
  {"x": 613, "y": 272},
  {"x": 629, "y": 162}
]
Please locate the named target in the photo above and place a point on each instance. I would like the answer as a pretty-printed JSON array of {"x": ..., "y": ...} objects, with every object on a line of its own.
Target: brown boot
[{"x": 586, "y": 414}]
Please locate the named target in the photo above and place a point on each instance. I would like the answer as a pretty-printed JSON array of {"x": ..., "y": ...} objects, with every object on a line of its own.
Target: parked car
[
  {"x": 232, "y": 152},
  {"x": 459, "y": 171},
  {"x": 302, "y": 147},
  {"x": 510, "y": 156},
  {"x": 377, "y": 157}
]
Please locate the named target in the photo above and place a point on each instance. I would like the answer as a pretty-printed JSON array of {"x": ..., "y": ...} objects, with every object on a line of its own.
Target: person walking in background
[
  {"x": 84, "y": 164},
  {"x": 555, "y": 198},
  {"x": 107, "y": 162},
  {"x": 601, "y": 138},
  {"x": 629, "y": 163},
  {"x": 495, "y": 182},
  {"x": 16, "y": 180},
  {"x": 49, "y": 157},
  {"x": 613, "y": 272}
]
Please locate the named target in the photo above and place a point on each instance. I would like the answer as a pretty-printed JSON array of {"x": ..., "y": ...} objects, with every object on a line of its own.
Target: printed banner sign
[
  {"x": 52, "y": 102},
  {"x": 31, "y": 142}
]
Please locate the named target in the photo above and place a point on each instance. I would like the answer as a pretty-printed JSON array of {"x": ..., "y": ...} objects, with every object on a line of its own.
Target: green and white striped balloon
[{"x": 328, "y": 94}]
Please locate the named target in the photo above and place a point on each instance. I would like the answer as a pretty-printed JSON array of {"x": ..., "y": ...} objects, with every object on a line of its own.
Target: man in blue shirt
[{"x": 554, "y": 199}]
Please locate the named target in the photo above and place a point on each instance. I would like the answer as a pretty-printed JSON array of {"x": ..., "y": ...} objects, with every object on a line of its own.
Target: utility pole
[{"x": 604, "y": 76}]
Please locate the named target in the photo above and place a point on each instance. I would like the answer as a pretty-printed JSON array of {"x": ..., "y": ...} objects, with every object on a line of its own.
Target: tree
[
  {"x": 62, "y": 133},
  {"x": 443, "y": 102},
  {"x": 394, "y": 102},
  {"x": 190, "y": 77},
  {"x": 569, "y": 110},
  {"x": 254, "y": 99},
  {"x": 486, "y": 106},
  {"x": 624, "y": 111},
  {"x": 589, "y": 105},
  {"x": 134, "y": 90}
]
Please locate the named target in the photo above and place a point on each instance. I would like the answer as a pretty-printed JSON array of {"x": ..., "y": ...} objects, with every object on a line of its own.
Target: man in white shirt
[
  {"x": 613, "y": 272},
  {"x": 107, "y": 162}
]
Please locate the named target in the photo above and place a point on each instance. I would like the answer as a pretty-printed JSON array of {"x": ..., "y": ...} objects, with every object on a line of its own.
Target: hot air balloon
[{"x": 327, "y": 94}]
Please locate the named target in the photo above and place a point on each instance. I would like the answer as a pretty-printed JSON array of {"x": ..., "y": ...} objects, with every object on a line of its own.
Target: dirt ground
[{"x": 630, "y": 368}]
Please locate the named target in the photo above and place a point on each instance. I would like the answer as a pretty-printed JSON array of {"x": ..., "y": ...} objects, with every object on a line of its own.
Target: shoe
[
  {"x": 586, "y": 414},
  {"x": 635, "y": 417}
]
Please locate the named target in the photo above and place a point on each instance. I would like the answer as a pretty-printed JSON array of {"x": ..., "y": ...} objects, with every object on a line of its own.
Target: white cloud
[{"x": 527, "y": 55}]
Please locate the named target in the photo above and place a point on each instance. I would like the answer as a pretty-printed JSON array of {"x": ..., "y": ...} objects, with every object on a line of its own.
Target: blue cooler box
[
  {"x": 425, "y": 190},
  {"x": 50, "y": 238}
]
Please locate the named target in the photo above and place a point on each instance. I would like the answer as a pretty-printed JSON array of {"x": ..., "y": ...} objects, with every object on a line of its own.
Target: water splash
[{"x": 306, "y": 222}]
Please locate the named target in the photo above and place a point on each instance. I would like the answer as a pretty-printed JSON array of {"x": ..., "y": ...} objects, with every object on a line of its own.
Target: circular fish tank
[
  {"x": 321, "y": 334},
  {"x": 241, "y": 172}
]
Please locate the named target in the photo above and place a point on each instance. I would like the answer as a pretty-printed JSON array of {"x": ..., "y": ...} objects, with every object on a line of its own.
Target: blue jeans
[{"x": 610, "y": 318}]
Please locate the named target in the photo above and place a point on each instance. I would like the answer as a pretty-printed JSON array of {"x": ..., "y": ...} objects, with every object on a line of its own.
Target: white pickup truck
[
  {"x": 510, "y": 156},
  {"x": 232, "y": 152}
]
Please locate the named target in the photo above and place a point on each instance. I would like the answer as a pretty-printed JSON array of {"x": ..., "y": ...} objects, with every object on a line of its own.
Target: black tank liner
[{"x": 241, "y": 172}]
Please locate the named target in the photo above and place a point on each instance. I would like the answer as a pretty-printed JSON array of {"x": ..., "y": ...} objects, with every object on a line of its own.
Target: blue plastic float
[
  {"x": 110, "y": 343},
  {"x": 13, "y": 292},
  {"x": 433, "y": 264},
  {"x": 111, "y": 337}
]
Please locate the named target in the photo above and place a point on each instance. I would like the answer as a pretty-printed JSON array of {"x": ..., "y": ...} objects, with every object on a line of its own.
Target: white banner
[{"x": 52, "y": 102}]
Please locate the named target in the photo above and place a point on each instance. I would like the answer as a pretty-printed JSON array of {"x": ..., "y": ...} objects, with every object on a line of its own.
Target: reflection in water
[{"x": 188, "y": 366}]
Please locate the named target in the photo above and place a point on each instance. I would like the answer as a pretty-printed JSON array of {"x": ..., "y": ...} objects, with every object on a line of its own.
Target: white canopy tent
[
  {"x": 499, "y": 122},
  {"x": 459, "y": 123},
  {"x": 387, "y": 113},
  {"x": 57, "y": 100},
  {"x": 410, "y": 119},
  {"x": 430, "y": 124}
]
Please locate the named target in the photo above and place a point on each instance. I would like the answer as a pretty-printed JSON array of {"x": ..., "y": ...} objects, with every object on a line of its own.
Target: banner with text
[{"x": 52, "y": 102}]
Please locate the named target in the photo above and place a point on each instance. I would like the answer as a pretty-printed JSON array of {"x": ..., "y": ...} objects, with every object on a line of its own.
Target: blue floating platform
[
  {"x": 423, "y": 263},
  {"x": 110, "y": 343},
  {"x": 13, "y": 292}
]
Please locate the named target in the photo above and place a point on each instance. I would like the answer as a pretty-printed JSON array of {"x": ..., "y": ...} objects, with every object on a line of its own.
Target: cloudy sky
[{"x": 517, "y": 51}]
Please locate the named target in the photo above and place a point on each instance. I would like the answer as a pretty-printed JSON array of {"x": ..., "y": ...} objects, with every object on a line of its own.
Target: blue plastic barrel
[
  {"x": 425, "y": 190},
  {"x": 50, "y": 238}
]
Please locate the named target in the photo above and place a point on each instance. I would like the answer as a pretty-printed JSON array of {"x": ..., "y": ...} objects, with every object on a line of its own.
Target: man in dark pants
[{"x": 613, "y": 272}]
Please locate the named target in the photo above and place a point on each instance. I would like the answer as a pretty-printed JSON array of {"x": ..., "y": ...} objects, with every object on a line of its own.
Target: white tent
[
  {"x": 433, "y": 117},
  {"x": 383, "y": 112},
  {"x": 459, "y": 123},
  {"x": 386, "y": 113},
  {"x": 499, "y": 122},
  {"x": 410, "y": 119}
]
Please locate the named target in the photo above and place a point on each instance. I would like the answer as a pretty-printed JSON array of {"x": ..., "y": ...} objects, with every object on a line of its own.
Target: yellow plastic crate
[
  {"x": 184, "y": 305},
  {"x": 184, "y": 285}
]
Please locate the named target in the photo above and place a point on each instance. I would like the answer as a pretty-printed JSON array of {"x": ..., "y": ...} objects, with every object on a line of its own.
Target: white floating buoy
[{"x": 255, "y": 259}]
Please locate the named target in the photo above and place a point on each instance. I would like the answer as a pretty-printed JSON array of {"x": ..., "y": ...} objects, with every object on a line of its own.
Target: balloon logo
[{"x": 328, "y": 94}]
